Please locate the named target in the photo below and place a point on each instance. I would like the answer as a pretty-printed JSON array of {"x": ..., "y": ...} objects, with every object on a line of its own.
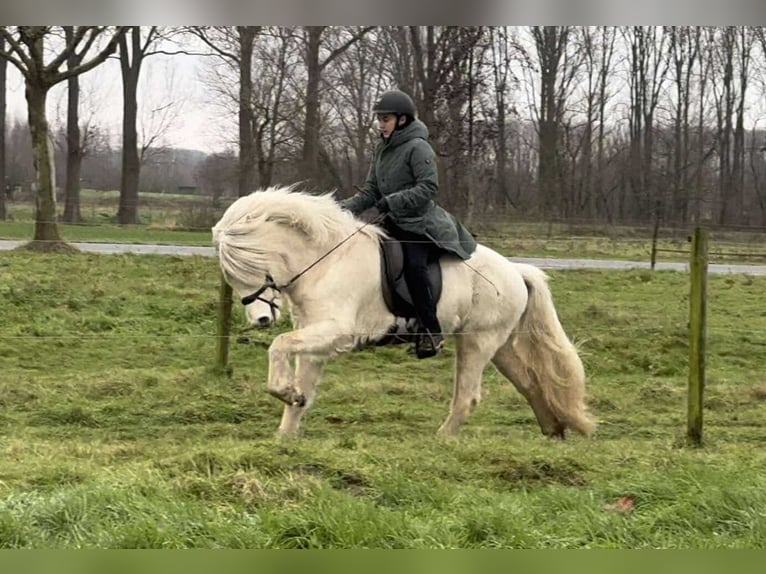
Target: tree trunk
[
  {"x": 74, "y": 146},
  {"x": 698, "y": 213},
  {"x": 46, "y": 227},
  {"x": 550, "y": 42},
  {"x": 604, "y": 78},
  {"x": 3, "y": 183},
  {"x": 127, "y": 212},
  {"x": 310, "y": 167},
  {"x": 738, "y": 168},
  {"x": 246, "y": 116}
]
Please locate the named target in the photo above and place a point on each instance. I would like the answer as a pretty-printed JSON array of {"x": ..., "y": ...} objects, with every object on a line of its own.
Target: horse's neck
[{"x": 291, "y": 255}]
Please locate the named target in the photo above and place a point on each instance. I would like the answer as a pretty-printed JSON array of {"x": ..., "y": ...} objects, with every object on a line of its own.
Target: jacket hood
[{"x": 416, "y": 129}]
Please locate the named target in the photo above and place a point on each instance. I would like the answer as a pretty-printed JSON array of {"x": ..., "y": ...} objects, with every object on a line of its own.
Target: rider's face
[{"x": 386, "y": 124}]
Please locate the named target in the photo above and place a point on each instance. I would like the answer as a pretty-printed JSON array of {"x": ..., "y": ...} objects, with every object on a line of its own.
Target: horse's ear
[{"x": 289, "y": 221}]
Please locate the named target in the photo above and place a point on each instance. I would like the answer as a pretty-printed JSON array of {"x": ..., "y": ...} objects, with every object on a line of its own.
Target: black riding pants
[{"x": 419, "y": 250}]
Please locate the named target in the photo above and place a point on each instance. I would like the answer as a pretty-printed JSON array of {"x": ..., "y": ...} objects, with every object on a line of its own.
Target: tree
[
  {"x": 649, "y": 64},
  {"x": 3, "y": 69},
  {"x": 551, "y": 44},
  {"x": 597, "y": 45},
  {"x": 74, "y": 149},
  {"x": 235, "y": 46},
  {"x": 27, "y": 52},
  {"x": 502, "y": 78},
  {"x": 133, "y": 50},
  {"x": 353, "y": 84},
  {"x": 314, "y": 68}
]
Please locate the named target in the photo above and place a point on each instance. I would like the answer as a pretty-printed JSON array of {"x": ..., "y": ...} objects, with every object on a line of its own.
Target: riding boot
[
  {"x": 429, "y": 344},
  {"x": 418, "y": 251},
  {"x": 430, "y": 341}
]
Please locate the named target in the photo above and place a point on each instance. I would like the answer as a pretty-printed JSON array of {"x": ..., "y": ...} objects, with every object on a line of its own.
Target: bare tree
[
  {"x": 74, "y": 151},
  {"x": 704, "y": 46},
  {"x": 315, "y": 65},
  {"x": 598, "y": 47},
  {"x": 684, "y": 54},
  {"x": 551, "y": 45},
  {"x": 27, "y": 52},
  {"x": 241, "y": 55},
  {"x": 745, "y": 41},
  {"x": 353, "y": 84},
  {"x": 132, "y": 51},
  {"x": 246, "y": 39},
  {"x": 501, "y": 57},
  {"x": 649, "y": 66},
  {"x": 277, "y": 61},
  {"x": 234, "y": 45},
  {"x": 725, "y": 96},
  {"x": 3, "y": 81}
]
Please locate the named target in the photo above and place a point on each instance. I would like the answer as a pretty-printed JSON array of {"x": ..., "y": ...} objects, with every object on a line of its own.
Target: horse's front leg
[
  {"x": 310, "y": 346},
  {"x": 308, "y": 371}
]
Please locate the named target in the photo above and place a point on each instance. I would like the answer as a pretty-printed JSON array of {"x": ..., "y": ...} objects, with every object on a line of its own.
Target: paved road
[{"x": 141, "y": 249}]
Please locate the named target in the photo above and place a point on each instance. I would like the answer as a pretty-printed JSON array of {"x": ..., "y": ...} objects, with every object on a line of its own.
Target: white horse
[{"x": 326, "y": 264}]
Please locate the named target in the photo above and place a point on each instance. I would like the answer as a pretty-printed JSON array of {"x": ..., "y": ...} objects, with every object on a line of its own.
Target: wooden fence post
[
  {"x": 697, "y": 334},
  {"x": 223, "y": 331}
]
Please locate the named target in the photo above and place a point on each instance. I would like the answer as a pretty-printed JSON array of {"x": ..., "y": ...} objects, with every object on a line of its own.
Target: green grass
[
  {"x": 165, "y": 219},
  {"x": 116, "y": 433},
  {"x": 109, "y": 233}
]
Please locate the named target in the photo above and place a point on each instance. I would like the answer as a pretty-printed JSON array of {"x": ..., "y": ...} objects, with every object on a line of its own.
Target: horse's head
[
  {"x": 271, "y": 238},
  {"x": 264, "y": 311}
]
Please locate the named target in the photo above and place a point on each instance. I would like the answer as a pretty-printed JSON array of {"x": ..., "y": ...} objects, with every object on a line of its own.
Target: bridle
[{"x": 257, "y": 296}]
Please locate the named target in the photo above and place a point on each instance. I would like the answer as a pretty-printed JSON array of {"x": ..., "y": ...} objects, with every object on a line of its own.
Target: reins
[{"x": 270, "y": 284}]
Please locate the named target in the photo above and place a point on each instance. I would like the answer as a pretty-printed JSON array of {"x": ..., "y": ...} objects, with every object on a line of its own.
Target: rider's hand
[{"x": 382, "y": 205}]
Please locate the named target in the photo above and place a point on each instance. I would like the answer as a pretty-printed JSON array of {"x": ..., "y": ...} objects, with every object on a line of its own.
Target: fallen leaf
[{"x": 622, "y": 504}]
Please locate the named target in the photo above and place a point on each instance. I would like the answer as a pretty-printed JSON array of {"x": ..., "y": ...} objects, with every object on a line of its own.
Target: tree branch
[
  {"x": 23, "y": 63},
  {"x": 96, "y": 60},
  {"x": 339, "y": 50},
  {"x": 71, "y": 46}
]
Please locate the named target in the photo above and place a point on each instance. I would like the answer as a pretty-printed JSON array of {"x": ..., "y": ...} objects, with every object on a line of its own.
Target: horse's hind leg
[
  {"x": 510, "y": 366},
  {"x": 472, "y": 355},
  {"x": 308, "y": 371}
]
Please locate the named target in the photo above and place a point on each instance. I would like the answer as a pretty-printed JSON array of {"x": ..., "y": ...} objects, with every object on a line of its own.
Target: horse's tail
[{"x": 548, "y": 358}]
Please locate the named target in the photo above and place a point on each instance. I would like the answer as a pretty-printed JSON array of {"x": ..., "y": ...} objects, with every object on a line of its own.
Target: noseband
[{"x": 257, "y": 297}]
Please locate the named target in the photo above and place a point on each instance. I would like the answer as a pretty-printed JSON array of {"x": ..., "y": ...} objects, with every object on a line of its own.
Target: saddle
[{"x": 397, "y": 295}]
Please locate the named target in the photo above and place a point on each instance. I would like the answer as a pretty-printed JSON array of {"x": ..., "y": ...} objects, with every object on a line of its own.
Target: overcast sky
[
  {"x": 168, "y": 84},
  {"x": 175, "y": 83}
]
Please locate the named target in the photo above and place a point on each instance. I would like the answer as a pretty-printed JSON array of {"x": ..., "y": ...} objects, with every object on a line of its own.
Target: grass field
[{"x": 116, "y": 433}]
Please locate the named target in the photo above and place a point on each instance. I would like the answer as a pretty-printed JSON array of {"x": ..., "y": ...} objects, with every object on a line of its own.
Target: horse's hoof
[
  {"x": 284, "y": 395},
  {"x": 289, "y": 396}
]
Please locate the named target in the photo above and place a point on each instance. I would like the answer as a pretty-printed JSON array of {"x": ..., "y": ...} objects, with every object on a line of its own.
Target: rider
[{"x": 402, "y": 182}]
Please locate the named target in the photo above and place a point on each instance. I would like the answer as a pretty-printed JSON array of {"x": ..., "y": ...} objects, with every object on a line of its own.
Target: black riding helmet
[{"x": 395, "y": 102}]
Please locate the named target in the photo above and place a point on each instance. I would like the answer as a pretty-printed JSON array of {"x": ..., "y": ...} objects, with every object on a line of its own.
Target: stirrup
[{"x": 428, "y": 345}]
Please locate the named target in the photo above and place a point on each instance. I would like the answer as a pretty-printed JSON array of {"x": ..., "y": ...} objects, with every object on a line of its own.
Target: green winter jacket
[{"x": 403, "y": 170}]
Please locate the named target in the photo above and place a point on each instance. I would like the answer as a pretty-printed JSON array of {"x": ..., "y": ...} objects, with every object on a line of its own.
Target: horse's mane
[
  {"x": 318, "y": 216},
  {"x": 247, "y": 228}
]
